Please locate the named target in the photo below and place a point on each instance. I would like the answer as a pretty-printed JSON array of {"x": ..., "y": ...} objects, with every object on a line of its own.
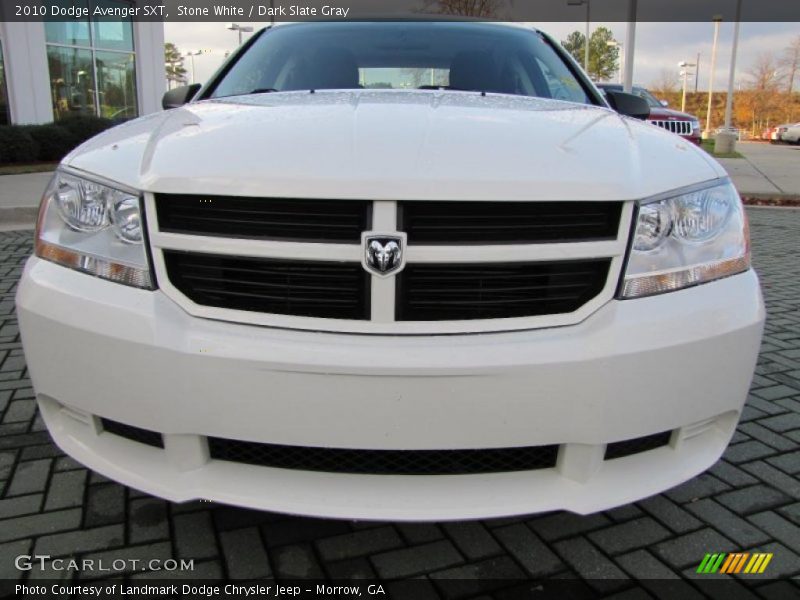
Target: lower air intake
[
  {"x": 637, "y": 445},
  {"x": 385, "y": 462},
  {"x": 134, "y": 434}
]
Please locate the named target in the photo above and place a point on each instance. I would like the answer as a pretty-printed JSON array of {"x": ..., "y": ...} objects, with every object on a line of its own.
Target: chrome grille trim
[{"x": 683, "y": 128}]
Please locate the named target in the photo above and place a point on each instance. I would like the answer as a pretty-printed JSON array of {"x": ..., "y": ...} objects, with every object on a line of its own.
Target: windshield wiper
[{"x": 263, "y": 91}]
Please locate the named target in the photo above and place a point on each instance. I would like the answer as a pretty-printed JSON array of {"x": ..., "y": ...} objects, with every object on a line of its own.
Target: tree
[
  {"x": 666, "y": 83},
  {"x": 791, "y": 62},
  {"x": 765, "y": 74},
  {"x": 574, "y": 44},
  {"x": 173, "y": 61},
  {"x": 763, "y": 101},
  {"x": 603, "y": 58},
  {"x": 465, "y": 8}
]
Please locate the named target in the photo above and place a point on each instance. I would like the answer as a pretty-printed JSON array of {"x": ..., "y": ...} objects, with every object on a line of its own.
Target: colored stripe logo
[{"x": 735, "y": 562}]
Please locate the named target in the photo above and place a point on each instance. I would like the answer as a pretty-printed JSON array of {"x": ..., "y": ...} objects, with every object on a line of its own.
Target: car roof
[{"x": 411, "y": 18}]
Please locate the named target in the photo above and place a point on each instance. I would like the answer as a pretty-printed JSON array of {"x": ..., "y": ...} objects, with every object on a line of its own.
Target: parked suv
[
  {"x": 393, "y": 270},
  {"x": 683, "y": 124}
]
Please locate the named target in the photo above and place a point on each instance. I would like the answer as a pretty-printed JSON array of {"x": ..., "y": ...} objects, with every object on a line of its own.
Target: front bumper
[{"x": 679, "y": 362}]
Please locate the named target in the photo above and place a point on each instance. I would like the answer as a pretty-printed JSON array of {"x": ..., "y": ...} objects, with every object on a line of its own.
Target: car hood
[{"x": 395, "y": 145}]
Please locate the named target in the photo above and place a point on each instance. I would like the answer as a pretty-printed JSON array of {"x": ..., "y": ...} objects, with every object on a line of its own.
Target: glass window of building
[
  {"x": 71, "y": 81},
  {"x": 71, "y": 33},
  {"x": 92, "y": 64},
  {"x": 116, "y": 84},
  {"x": 4, "y": 113},
  {"x": 110, "y": 33}
]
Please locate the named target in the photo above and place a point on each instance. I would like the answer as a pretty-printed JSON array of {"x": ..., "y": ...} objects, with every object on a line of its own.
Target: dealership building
[{"x": 112, "y": 68}]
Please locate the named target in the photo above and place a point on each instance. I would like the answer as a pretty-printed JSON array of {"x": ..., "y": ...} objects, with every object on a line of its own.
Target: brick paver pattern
[{"x": 750, "y": 500}]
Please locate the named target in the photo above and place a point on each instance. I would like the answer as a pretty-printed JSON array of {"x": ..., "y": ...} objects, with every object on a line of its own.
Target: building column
[
  {"x": 27, "y": 72},
  {"x": 151, "y": 75}
]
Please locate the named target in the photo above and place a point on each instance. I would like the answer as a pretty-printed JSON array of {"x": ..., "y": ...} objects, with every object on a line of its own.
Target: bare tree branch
[
  {"x": 791, "y": 62},
  {"x": 465, "y": 8},
  {"x": 666, "y": 83}
]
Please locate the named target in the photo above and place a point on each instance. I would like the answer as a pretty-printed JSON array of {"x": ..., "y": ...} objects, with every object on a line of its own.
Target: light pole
[
  {"x": 685, "y": 73},
  {"x": 588, "y": 37},
  {"x": 630, "y": 46},
  {"x": 588, "y": 22},
  {"x": 192, "y": 55},
  {"x": 240, "y": 29},
  {"x": 717, "y": 21},
  {"x": 726, "y": 141},
  {"x": 697, "y": 73}
]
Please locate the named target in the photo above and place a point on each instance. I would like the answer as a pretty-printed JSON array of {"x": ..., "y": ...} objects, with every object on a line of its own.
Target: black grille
[
  {"x": 266, "y": 218},
  {"x": 435, "y": 292},
  {"x": 508, "y": 222},
  {"x": 287, "y": 287},
  {"x": 385, "y": 462},
  {"x": 637, "y": 445},
  {"x": 135, "y": 434}
]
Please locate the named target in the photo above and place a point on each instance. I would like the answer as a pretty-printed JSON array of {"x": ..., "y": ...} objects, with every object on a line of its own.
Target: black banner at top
[{"x": 504, "y": 10}]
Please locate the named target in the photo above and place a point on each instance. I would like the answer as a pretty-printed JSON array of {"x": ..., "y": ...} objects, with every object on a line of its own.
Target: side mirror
[
  {"x": 179, "y": 96},
  {"x": 664, "y": 103},
  {"x": 628, "y": 104}
]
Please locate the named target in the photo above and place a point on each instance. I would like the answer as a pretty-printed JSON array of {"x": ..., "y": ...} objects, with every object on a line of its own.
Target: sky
[{"x": 658, "y": 46}]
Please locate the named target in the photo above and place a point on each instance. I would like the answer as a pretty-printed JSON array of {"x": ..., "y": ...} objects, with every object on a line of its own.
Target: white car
[
  {"x": 790, "y": 133},
  {"x": 466, "y": 299}
]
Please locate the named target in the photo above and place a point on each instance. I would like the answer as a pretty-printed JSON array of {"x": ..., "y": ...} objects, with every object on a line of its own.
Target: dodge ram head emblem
[{"x": 383, "y": 253}]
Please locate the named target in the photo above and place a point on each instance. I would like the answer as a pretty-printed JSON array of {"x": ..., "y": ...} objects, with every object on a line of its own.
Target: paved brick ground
[{"x": 749, "y": 500}]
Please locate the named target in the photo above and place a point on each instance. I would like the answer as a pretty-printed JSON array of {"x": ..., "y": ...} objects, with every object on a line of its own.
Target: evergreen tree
[
  {"x": 603, "y": 58},
  {"x": 173, "y": 60}
]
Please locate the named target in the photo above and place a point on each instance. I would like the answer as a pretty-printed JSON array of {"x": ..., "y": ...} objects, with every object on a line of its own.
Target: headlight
[
  {"x": 695, "y": 124},
  {"x": 687, "y": 239},
  {"x": 94, "y": 228}
]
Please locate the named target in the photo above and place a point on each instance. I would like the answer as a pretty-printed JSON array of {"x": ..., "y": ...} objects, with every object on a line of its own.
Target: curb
[
  {"x": 18, "y": 217},
  {"x": 771, "y": 200},
  {"x": 19, "y": 213}
]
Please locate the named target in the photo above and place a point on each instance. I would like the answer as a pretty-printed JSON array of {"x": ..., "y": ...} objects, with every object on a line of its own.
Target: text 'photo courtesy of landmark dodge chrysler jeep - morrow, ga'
[{"x": 393, "y": 270}]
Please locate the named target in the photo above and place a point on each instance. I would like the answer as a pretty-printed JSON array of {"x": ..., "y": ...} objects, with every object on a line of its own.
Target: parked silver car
[{"x": 790, "y": 134}]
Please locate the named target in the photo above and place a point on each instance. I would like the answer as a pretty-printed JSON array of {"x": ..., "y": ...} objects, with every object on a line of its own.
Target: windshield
[
  {"x": 651, "y": 100},
  {"x": 402, "y": 55}
]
